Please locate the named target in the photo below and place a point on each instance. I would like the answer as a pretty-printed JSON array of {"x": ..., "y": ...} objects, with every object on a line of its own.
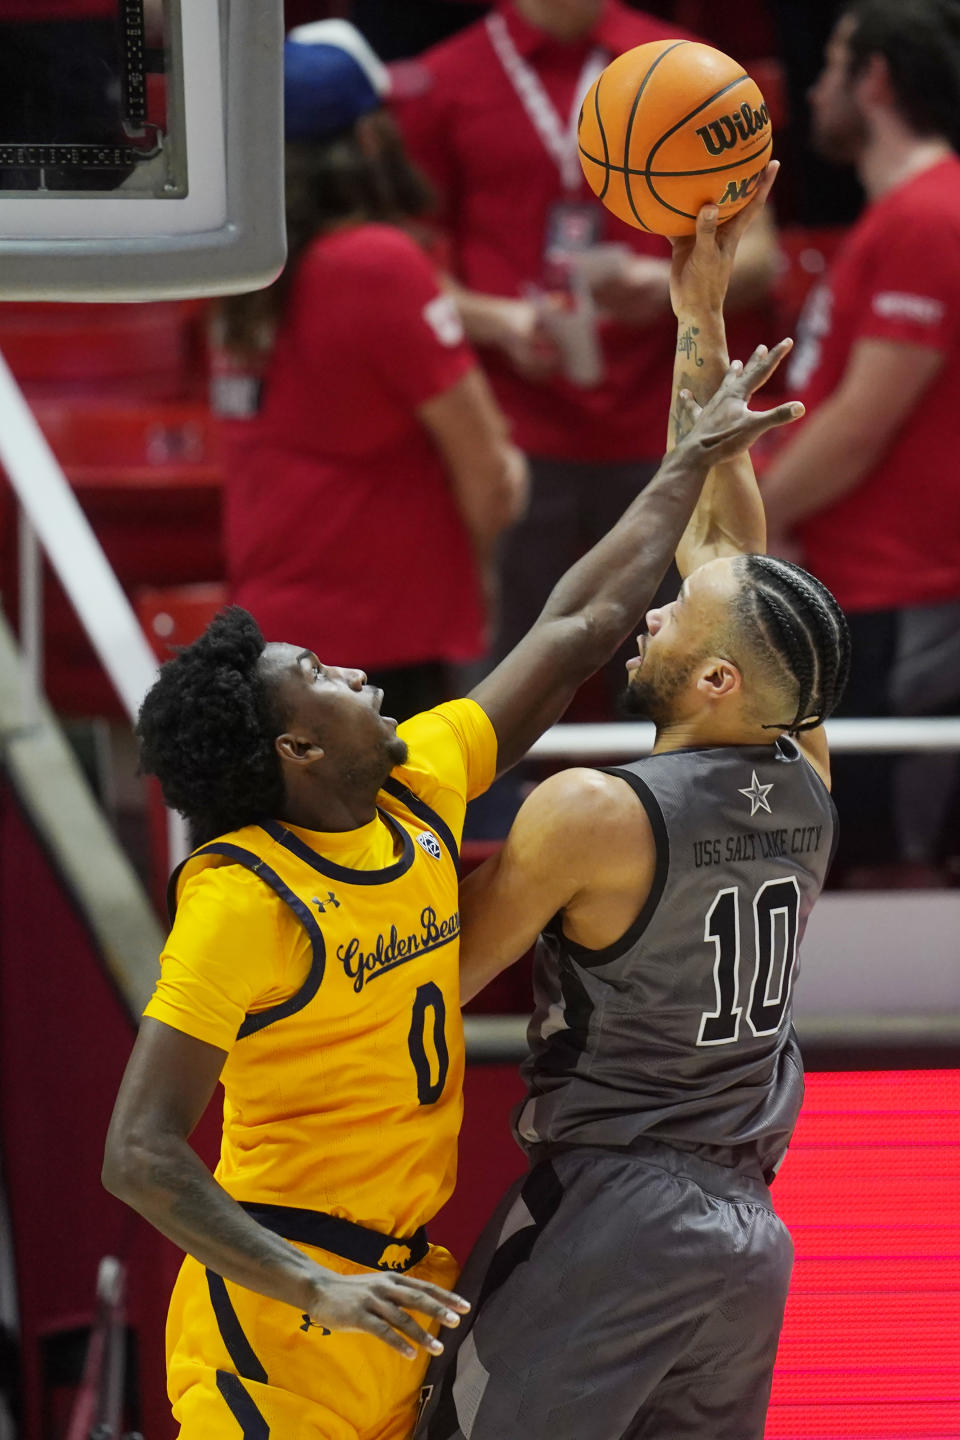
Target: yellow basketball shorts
[{"x": 239, "y": 1364}]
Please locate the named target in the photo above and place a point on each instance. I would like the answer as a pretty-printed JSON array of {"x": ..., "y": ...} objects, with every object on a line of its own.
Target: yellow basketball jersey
[{"x": 343, "y": 1094}]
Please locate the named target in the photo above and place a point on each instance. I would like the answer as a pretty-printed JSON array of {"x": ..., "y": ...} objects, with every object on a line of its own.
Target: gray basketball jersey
[{"x": 681, "y": 1030}]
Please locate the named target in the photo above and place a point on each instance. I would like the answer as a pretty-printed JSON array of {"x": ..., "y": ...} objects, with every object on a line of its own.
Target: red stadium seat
[
  {"x": 153, "y": 350},
  {"x": 149, "y": 479},
  {"x": 126, "y": 445},
  {"x": 178, "y": 614},
  {"x": 171, "y": 616}
]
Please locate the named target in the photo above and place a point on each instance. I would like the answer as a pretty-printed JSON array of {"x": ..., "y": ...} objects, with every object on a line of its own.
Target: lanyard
[{"x": 559, "y": 139}]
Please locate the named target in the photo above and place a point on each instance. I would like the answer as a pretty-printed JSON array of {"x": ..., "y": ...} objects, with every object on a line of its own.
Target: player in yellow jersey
[{"x": 312, "y": 966}]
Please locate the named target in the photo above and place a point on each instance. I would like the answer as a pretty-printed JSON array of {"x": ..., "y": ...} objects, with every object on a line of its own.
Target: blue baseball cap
[{"x": 331, "y": 77}]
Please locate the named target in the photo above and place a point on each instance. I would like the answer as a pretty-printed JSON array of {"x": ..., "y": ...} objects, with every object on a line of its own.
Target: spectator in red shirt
[
  {"x": 873, "y": 497},
  {"x": 492, "y": 122},
  {"x": 370, "y": 434}
]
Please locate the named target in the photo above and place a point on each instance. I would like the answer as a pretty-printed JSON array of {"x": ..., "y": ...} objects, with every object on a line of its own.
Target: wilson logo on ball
[{"x": 724, "y": 133}]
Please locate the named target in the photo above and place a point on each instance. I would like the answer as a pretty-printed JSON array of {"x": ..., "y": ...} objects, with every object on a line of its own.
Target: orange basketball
[{"x": 667, "y": 128}]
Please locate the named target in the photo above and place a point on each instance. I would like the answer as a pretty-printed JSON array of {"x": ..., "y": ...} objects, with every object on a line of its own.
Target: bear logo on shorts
[{"x": 395, "y": 1257}]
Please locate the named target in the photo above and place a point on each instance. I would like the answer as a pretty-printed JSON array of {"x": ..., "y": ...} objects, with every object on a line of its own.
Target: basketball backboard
[{"x": 141, "y": 148}]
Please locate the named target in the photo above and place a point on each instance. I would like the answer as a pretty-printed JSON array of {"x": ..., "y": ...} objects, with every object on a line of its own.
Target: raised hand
[
  {"x": 379, "y": 1305},
  {"x": 726, "y": 426},
  {"x": 702, "y": 263}
]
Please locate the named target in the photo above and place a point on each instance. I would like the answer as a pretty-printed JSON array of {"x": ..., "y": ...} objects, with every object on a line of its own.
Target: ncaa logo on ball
[{"x": 429, "y": 842}]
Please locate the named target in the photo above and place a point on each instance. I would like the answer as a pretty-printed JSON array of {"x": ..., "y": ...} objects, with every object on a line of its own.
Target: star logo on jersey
[
  {"x": 757, "y": 795},
  {"x": 429, "y": 842}
]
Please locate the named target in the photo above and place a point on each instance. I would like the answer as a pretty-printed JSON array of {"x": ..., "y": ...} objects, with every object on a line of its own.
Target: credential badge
[{"x": 429, "y": 842}]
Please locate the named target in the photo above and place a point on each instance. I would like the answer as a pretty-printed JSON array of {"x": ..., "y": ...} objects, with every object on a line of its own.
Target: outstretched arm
[
  {"x": 729, "y": 517},
  {"x": 604, "y": 596}
]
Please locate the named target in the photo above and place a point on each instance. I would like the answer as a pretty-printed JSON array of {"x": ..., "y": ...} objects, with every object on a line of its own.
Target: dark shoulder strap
[
  {"x": 426, "y": 814},
  {"x": 250, "y": 861}
]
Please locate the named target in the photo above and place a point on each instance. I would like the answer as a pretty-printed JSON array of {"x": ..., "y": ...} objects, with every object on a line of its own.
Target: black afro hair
[{"x": 207, "y": 729}]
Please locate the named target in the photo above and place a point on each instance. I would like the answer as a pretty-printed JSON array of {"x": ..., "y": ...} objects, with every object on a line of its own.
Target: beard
[
  {"x": 397, "y": 751},
  {"x": 367, "y": 772},
  {"x": 652, "y": 693}
]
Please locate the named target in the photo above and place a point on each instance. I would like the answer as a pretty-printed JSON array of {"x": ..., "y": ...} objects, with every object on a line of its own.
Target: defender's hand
[
  {"x": 379, "y": 1305},
  {"x": 725, "y": 426},
  {"x": 702, "y": 263}
]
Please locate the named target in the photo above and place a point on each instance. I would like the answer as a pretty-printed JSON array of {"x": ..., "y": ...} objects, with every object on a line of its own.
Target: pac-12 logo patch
[{"x": 430, "y": 843}]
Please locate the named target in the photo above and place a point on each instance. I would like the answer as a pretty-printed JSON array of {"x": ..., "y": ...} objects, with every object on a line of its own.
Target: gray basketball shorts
[{"x": 617, "y": 1296}]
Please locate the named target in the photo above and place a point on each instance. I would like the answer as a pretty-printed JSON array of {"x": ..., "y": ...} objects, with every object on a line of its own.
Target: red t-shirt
[
  {"x": 470, "y": 132},
  {"x": 342, "y": 532},
  {"x": 894, "y": 540}
]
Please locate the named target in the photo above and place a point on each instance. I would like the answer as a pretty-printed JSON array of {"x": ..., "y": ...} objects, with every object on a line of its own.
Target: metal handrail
[
  {"x": 502, "y": 1039},
  {"x": 628, "y": 739}
]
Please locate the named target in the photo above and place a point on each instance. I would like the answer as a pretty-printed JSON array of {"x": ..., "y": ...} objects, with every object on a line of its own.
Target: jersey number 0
[
  {"x": 776, "y": 909},
  {"x": 429, "y": 1001}
]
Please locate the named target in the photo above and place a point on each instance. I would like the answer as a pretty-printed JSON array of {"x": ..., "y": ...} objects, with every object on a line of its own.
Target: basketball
[{"x": 669, "y": 127}]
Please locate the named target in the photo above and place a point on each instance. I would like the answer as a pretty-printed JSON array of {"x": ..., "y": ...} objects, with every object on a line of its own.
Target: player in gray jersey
[{"x": 632, "y": 1286}]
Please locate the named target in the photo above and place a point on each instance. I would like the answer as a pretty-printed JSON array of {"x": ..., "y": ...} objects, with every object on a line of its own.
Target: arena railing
[
  {"x": 632, "y": 739},
  {"x": 52, "y": 522}
]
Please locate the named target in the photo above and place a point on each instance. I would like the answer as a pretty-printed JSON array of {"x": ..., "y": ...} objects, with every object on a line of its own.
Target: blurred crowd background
[{"x": 461, "y": 378}]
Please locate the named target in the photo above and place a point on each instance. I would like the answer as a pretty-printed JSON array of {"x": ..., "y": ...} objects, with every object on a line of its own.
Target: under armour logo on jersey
[
  {"x": 309, "y": 1324},
  {"x": 429, "y": 842},
  {"x": 757, "y": 795},
  {"x": 330, "y": 900}
]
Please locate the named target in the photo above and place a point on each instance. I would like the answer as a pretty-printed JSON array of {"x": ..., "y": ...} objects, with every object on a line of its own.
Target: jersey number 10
[{"x": 776, "y": 909}]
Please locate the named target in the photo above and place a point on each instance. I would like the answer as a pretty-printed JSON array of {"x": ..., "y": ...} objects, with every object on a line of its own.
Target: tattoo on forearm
[{"x": 687, "y": 345}]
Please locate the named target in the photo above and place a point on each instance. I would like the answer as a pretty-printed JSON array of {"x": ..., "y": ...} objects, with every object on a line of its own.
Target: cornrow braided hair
[
  {"x": 207, "y": 728},
  {"x": 791, "y": 616}
]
